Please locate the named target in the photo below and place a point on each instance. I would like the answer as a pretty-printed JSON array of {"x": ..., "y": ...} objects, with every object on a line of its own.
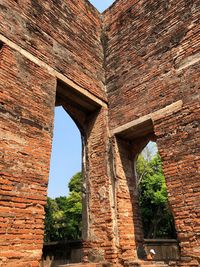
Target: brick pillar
[
  {"x": 128, "y": 218},
  {"x": 27, "y": 105},
  {"x": 178, "y": 142},
  {"x": 99, "y": 229}
]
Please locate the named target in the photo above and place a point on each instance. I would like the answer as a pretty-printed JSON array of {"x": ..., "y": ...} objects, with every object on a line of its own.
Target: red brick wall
[
  {"x": 64, "y": 34},
  {"x": 151, "y": 60},
  {"x": 146, "y": 41},
  {"x": 151, "y": 51},
  {"x": 27, "y": 104},
  {"x": 178, "y": 142}
]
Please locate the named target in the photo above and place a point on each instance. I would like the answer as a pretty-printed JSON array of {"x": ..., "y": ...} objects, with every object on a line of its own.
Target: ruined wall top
[{"x": 66, "y": 35}]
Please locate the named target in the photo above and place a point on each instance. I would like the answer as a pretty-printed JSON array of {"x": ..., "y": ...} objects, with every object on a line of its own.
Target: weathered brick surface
[
  {"x": 181, "y": 161},
  {"x": 147, "y": 54},
  {"x": 126, "y": 202},
  {"x": 152, "y": 47},
  {"x": 100, "y": 235},
  {"x": 146, "y": 42},
  {"x": 64, "y": 34},
  {"x": 27, "y": 103}
]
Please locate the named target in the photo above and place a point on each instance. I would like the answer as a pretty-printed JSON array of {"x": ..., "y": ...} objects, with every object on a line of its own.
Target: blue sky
[
  {"x": 101, "y": 5},
  {"x": 66, "y": 150},
  {"x": 66, "y": 153}
]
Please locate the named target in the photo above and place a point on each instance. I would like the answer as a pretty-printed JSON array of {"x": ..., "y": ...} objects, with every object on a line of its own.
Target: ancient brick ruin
[{"x": 126, "y": 76}]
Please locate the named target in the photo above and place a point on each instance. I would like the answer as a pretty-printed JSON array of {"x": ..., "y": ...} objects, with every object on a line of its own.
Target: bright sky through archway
[{"x": 66, "y": 154}]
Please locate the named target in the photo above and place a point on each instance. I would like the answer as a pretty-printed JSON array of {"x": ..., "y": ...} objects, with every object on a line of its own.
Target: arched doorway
[
  {"x": 128, "y": 142},
  {"x": 157, "y": 218}
]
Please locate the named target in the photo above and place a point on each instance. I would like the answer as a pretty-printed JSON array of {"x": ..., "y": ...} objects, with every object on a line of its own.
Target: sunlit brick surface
[{"x": 138, "y": 57}]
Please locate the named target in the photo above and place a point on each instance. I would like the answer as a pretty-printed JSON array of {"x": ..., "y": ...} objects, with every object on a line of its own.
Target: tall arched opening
[
  {"x": 98, "y": 241},
  {"x": 134, "y": 242}
]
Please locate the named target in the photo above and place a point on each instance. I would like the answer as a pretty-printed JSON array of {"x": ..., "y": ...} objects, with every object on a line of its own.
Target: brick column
[
  {"x": 128, "y": 218},
  {"x": 99, "y": 229},
  {"x": 27, "y": 104},
  {"x": 178, "y": 142}
]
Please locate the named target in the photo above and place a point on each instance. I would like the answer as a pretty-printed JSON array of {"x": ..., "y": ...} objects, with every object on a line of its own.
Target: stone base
[
  {"x": 126, "y": 264},
  {"x": 145, "y": 263},
  {"x": 79, "y": 265},
  {"x": 85, "y": 265}
]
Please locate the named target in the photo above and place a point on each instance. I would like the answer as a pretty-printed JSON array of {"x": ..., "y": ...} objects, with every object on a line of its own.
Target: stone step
[
  {"x": 155, "y": 265},
  {"x": 79, "y": 265},
  {"x": 141, "y": 263},
  {"x": 128, "y": 264},
  {"x": 152, "y": 265}
]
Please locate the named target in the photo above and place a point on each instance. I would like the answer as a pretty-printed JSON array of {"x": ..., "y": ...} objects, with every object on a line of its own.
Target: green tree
[
  {"x": 50, "y": 210},
  {"x": 156, "y": 216},
  {"x": 76, "y": 183},
  {"x": 64, "y": 214}
]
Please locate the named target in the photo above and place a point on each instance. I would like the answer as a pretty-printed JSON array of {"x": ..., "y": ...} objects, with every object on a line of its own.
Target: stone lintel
[
  {"x": 188, "y": 61},
  {"x": 53, "y": 72},
  {"x": 144, "y": 125}
]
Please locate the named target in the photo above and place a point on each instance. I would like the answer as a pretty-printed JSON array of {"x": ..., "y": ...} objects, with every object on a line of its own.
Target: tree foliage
[
  {"x": 64, "y": 214},
  {"x": 156, "y": 216},
  {"x": 76, "y": 183}
]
